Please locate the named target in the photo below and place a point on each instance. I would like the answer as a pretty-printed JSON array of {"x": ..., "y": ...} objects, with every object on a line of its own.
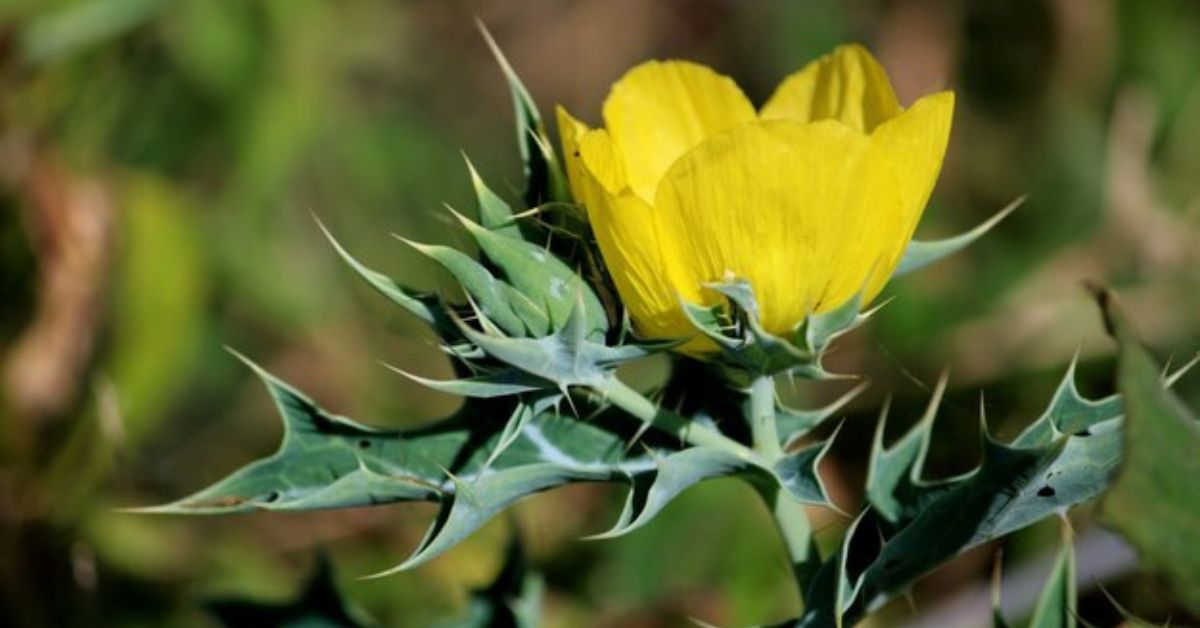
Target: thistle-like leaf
[
  {"x": 894, "y": 484},
  {"x": 1015, "y": 486},
  {"x": 798, "y": 473},
  {"x": 474, "y": 503},
  {"x": 1070, "y": 412},
  {"x": 836, "y": 584},
  {"x": 819, "y": 330},
  {"x": 671, "y": 476},
  {"x": 327, "y": 461}
]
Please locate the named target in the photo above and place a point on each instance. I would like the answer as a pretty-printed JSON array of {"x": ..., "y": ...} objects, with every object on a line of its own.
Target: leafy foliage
[
  {"x": 913, "y": 525},
  {"x": 1154, "y": 496}
]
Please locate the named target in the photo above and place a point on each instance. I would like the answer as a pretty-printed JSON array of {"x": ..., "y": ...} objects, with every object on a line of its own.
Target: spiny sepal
[
  {"x": 921, "y": 253},
  {"x": 749, "y": 350},
  {"x": 426, "y": 307},
  {"x": 540, "y": 276},
  {"x": 793, "y": 424},
  {"x": 566, "y": 357},
  {"x": 544, "y": 179},
  {"x": 494, "y": 212}
]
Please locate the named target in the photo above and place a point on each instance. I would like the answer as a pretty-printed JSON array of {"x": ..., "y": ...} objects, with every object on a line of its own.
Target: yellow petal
[
  {"x": 659, "y": 110},
  {"x": 624, "y": 227},
  {"x": 847, "y": 85},
  {"x": 804, "y": 211},
  {"x": 601, "y": 162},
  {"x": 570, "y": 131},
  {"x": 913, "y": 145}
]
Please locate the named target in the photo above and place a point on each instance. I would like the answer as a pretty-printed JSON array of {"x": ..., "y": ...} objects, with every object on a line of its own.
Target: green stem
[
  {"x": 622, "y": 396},
  {"x": 762, "y": 417},
  {"x": 792, "y": 522},
  {"x": 789, "y": 515}
]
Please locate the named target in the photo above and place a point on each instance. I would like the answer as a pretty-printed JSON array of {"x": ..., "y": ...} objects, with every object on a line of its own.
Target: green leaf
[
  {"x": 475, "y": 463},
  {"x": 894, "y": 481},
  {"x": 1070, "y": 412},
  {"x": 1153, "y": 499},
  {"x": 671, "y": 476},
  {"x": 920, "y": 254},
  {"x": 834, "y": 588},
  {"x": 327, "y": 461},
  {"x": 798, "y": 474},
  {"x": 544, "y": 181},
  {"x": 1056, "y": 605},
  {"x": 819, "y": 330},
  {"x": 924, "y": 524},
  {"x": 473, "y": 503}
]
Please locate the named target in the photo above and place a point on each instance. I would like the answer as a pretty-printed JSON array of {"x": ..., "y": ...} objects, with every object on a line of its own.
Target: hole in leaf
[
  {"x": 1046, "y": 491},
  {"x": 272, "y": 496},
  {"x": 364, "y": 444}
]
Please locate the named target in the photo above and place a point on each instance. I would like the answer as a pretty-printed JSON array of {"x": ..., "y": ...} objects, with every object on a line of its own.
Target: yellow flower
[{"x": 812, "y": 199}]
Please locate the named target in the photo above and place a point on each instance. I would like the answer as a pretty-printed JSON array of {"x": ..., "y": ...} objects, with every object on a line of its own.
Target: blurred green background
[{"x": 160, "y": 161}]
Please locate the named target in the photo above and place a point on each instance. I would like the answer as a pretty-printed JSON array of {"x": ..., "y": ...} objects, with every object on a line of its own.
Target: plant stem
[
  {"x": 790, "y": 517},
  {"x": 633, "y": 402},
  {"x": 792, "y": 522},
  {"x": 762, "y": 417}
]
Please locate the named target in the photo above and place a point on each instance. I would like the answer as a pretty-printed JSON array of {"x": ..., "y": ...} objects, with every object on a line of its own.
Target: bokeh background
[{"x": 160, "y": 162}]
